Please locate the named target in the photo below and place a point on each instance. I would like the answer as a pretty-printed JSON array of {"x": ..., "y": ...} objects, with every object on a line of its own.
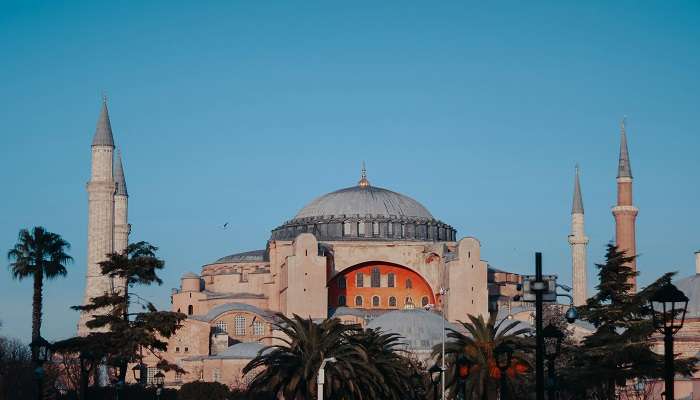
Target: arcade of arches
[{"x": 379, "y": 285}]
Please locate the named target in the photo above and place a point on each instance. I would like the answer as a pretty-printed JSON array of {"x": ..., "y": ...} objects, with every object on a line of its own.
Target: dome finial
[{"x": 363, "y": 183}]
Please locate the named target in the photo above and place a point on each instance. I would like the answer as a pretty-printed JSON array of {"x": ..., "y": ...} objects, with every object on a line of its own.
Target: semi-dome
[{"x": 365, "y": 212}]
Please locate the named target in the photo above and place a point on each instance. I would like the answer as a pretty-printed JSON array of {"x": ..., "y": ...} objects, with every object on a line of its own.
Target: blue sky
[{"x": 242, "y": 112}]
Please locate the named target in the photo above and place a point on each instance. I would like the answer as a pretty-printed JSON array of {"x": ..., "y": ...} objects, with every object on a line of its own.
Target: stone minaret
[
  {"x": 121, "y": 211},
  {"x": 579, "y": 243},
  {"x": 625, "y": 212},
  {"x": 101, "y": 189}
]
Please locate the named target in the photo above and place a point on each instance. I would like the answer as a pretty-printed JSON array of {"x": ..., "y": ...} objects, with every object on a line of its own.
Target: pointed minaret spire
[
  {"x": 625, "y": 212},
  {"x": 577, "y": 207},
  {"x": 103, "y": 133},
  {"x": 624, "y": 169},
  {"x": 579, "y": 243},
  {"x": 363, "y": 183},
  {"x": 119, "y": 175}
]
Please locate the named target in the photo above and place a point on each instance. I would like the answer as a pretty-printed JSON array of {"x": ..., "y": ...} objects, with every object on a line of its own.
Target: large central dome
[
  {"x": 362, "y": 201},
  {"x": 365, "y": 212}
]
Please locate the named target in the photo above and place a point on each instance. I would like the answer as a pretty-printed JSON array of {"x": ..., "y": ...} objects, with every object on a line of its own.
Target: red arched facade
[{"x": 378, "y": 285}]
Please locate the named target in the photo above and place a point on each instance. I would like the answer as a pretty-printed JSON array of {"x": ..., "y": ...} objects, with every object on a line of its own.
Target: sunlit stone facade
[{"x": 357, "y": 254}]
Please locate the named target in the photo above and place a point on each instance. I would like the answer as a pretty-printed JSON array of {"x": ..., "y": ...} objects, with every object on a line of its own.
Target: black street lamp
[
  {"x": 503, "y": 354},
  {"x": 140, "y": 372},
  {"x": 159, "y": 380},
  {"x": 553, "y": 337},
  {"x": 41, "y": 353},
  {"x": 668, "y": 304}
]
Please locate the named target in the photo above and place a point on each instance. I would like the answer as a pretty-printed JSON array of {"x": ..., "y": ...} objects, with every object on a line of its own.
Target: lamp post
[
  {"x": 552, "y": 347},
  {"x": 321, "y": 377},
  {"x": 539, "y": 287},
  {"x": 432, "y": 370},
  {"x": 159, "y": 379},
  {"x": 503, "y": 354},
  {"x": 443, "y": 300},
  {"x": 41, "y": 352},
  {"x": 443, "y": 294},
  {"x": 667, "y": 304}
]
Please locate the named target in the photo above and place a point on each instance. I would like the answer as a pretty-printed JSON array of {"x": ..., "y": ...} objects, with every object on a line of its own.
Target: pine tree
[
  {"x": 122, "y": 335},
  {"x": 619, "y": 350}
]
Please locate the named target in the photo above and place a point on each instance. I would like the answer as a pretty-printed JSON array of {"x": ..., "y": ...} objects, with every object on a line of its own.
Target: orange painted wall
[{"x": 419, "y": 289}]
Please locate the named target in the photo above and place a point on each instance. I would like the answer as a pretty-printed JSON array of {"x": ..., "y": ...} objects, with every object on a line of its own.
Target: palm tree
[
  {"x": 400, "y": 377},
  {"x": 38, "y": 254},
  {"x": 478, "y": 346},
  {"x": 290, "y": 369}
]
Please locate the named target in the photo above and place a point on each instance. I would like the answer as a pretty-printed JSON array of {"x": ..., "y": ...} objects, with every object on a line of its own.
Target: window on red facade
[
  {"x": 392, "y": 301},
  {"x": 358, "y": 301},
  {"x": 424, "y": 301},
  {"x": 391, "y": 279},
  {"x": 375, "y": 301},
  {"x": 409, "y": 284},
  {"x": 359, "y": 280},
  {"x": 341, "y": 282},
  {"x": 341, "y": 300},
  {"x": 375, "y": 279},
  {"x": 408, "y": 300}
]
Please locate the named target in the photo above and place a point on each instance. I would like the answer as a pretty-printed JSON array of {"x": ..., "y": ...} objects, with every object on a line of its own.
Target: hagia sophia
[{"x": 364, "y": 254}]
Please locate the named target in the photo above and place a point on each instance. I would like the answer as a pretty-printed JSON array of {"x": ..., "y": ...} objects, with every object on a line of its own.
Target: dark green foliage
[
  {"x": 368, "y": 364},
  {"x": 619, "y": 350},
  {"x": 38, "y": 254},
  {"x": 204, "y": 391},
  {"x": 129, "y": 392}
]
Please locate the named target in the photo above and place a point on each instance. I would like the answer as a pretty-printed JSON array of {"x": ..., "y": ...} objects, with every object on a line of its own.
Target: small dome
[
  {"x": 691, "y": 287},
  {"x": 420, "y": 329},
  {"x": 243, "y": 350},
  {"x": 248, "y": 256},
  {"x": 364, "y": 200},
  {"x": 190, "y": 275}
]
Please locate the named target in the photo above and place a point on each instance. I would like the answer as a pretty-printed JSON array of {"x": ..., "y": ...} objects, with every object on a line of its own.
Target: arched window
[
  {"x": 221, "y": 327},
  {"x": 424, "y": 301},
  {"x": 346, "y": 228},
  {"x": 391, "y": 279},
  {"x": 341, "y": 282},
  {"x": 190, "y": 309},
  {"x": 358, "y": 301},
  {"x": 239, "y": 325},
  {"x": 375, "y": 281},
  {"x": 375, "y": 228},
  {"x": 359, "y": 280},
  {"x": 258, "y": 328},
  {"x": 341, "y": 300},
  {"x": 392, "y": 301},
  {"x": 409, "y": 283},
  {"x": 375, "y": 301},
  {"x": 361, "y": 228},
  {"x": 408, "y": 300}
]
